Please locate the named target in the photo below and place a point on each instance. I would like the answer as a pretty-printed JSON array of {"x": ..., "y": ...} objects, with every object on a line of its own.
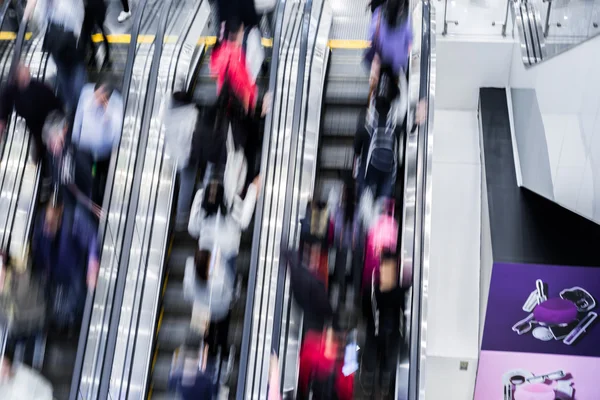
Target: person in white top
[
  {"x": 19, "y": 382},
  {"x": 61, "y": 22}
]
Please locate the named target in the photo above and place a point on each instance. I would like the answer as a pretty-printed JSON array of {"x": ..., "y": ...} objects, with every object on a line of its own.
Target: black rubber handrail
[
  {"x": 422, "y": 145},
  {"x": 252, "y": 273},
  {"x": 132, "y": 210},
  {"x": 285, "y": 230},
  {"x": 125, "y": 88}
]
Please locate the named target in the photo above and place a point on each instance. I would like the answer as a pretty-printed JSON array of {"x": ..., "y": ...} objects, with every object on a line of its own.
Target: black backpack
[{"x": 383, "y": 144}]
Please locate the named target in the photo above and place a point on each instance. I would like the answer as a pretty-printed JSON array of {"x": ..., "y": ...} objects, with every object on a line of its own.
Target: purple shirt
[{"x": 392, "y": 43}]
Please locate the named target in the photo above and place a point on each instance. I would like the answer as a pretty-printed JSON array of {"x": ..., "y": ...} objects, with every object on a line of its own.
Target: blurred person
[
  {"x": 19, "y": 382},
  {"x": 65, "y": 252},
  {"x": 193, "y": 372},
  {"x": 71, "y": 169},
  {"x": 321, "y": 375},
  {"x": 377, "y": 140},
  {"x": 391, "y": 37},
  {"x": 307, "y": 287},
  {"x": 242, "y": 10},
  {"x": 63, "y": 23},
  {"x": 209, "y": 284},
  {"x": 208, "y": 281},
  {"x": 219, "y": 215},
  {"x": 382, "y": 342},
  {"x": 228, "y": 66},
  {"x": 95, "y": 16},
  {"x": 32, "y": 100},
  {"x": 194, "y": 139},
  {"x": 374, "y": 4},
  {"x": 315, "y": 238},
  {"x": 236, "y": 64},
  {"x": 345, "y": 234},
  {"x": 381, "y": 229},
  {"x": 97, "y": 129},
  {"x": 126, "y": 13}
]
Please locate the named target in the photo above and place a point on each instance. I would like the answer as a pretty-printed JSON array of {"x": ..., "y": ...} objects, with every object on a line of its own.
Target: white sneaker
[{"x": 124, "y": 16}]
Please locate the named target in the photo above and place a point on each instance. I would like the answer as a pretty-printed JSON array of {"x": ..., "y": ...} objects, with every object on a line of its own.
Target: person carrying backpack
[
  {"x": 63, "y": 21},
  {"x": 377, "y": 140}
]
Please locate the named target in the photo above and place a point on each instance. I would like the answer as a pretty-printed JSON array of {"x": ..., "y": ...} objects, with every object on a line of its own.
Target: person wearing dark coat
[
  {"x": 95, "y": 15},
  {"x": 243, "y": 10},
  {"x": 32, "y": 100},
  {"x": 66, "y": 255},
  {"x": 71, "y": 168},
  {"x": 382, "y": 341}
]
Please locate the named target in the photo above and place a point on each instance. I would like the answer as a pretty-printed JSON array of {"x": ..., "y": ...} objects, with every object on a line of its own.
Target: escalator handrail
[
  {"x": 285, "y": 230},
  {"x": 304, "y": 122},
  {"x": 132, "y": 210},
  {"x": 423, "y": 162},
  {"x": 260, "y": 205},
  {"x": 87, "y": 313}
]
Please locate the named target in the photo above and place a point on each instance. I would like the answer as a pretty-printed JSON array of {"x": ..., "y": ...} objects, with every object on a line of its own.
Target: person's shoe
[{"x": 124, "y": 16}]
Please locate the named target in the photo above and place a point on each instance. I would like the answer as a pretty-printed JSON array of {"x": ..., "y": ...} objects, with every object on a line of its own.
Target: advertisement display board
[{"x": 541, "y": 340}]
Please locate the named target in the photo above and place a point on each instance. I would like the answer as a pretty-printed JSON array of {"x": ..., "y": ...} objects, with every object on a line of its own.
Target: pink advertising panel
[{"x": 517, "y": 376}]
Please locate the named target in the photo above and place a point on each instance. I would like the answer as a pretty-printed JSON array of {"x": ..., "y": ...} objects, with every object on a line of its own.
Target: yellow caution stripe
[
  {"x": 126, "y": 39},
  {"x": 348, "y": 44}
]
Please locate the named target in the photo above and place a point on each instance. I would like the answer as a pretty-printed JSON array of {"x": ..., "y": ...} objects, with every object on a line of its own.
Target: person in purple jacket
[{"x": 391, "y": 38}]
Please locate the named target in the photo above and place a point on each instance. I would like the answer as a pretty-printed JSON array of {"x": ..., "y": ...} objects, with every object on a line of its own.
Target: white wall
[
  {"x": 453, "y": 308},
  {"x": 466, "y": 64},
  {"x": 568, "y": 93}
]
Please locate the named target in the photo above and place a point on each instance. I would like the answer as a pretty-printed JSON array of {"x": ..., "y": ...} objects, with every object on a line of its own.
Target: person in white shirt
[
  {"x": 97, "y": 128},
  {"x": 19, "y": 382}
]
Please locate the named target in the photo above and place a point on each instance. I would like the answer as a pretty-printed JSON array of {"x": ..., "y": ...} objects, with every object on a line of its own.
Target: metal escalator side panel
[
  {"x": 116, "y": 203},
  {"x": 109, "y": 385},
  {"x": 153, "y": 213},
  {"x": 418, "y": 217},
  {"x": 255, "y": 278},
  {"x": 277, "y": 135},
  {"x": 314, "y": 86}
]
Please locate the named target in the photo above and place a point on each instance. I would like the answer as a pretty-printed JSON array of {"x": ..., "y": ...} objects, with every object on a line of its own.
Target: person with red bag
[{"x": 322, "y": 375}]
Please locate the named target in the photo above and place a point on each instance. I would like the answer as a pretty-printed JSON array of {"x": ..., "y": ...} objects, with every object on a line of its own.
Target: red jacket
[
  {"x": 313, "y": 361},
  {"x": 228, "y": 61}
]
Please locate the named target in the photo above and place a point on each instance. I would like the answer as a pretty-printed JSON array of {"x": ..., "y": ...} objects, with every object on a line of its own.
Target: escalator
[
  {"x": 176, "y": 312},
  {"x": 62, "y": 356},
  {"x": 337, "y": 81}
]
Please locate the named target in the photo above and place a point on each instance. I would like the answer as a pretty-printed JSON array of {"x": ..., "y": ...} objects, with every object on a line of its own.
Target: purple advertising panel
[
  {"x": 511, "y": 376},
  {"x": 543, "y": 309}
]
